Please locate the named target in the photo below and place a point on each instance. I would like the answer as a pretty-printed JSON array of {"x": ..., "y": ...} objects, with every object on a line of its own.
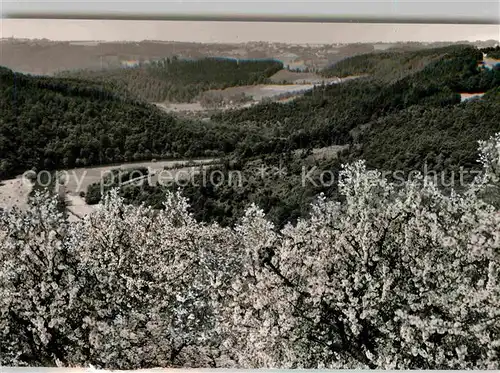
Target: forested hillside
[
  {"x": 179, "y": 80},
  {"x": 393, "y": 65},
  {"x": 413, "y": 118},
  {"x": 444, "y": 139},
  {"x": 415, "y": 121},
  {"x": 55, "y": 123},
  {"x": 326, "y": 115}
]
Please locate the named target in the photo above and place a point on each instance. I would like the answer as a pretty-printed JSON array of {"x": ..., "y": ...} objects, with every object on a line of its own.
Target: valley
[
  {"x": 259, "y": 205},
  {"x": 208, "y": 109}
]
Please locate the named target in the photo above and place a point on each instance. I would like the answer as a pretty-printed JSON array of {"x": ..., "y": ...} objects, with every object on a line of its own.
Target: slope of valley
[
  {"x": 294, "y": 220},
  {"x": 87, "y": 118}
]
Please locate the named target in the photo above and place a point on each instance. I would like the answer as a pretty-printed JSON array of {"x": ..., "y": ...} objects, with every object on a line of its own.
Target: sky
[
  {"x": 234, "y": 32},
  {"x": 447, "y": 9},
  {"x": 240, "y": 32}
]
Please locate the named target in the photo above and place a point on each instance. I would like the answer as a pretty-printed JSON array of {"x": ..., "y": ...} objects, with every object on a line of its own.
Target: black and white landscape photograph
[{"x": 245, "y": 195}]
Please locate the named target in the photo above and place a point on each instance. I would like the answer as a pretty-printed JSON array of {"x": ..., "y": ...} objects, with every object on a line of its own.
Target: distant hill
[
  {"x": 392, "y": 64},
  {"x": 47, "y": 57}
]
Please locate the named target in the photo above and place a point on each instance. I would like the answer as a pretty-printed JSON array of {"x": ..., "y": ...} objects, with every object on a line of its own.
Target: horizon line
[
  {"x": 253, "y": 18},
  {"x": 247, "y": 42}
]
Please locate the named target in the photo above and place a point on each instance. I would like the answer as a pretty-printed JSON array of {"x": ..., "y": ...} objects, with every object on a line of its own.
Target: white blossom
[{"x": 392, "y": 277}]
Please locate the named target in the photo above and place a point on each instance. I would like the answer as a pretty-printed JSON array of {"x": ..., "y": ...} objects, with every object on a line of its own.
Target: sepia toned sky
[
  {"x": 235, "y": 32},
  {"x": 388, "y": 9}
]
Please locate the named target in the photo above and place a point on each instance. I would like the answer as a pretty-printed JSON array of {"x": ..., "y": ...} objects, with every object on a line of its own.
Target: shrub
[{"x": 391, "y": 277}]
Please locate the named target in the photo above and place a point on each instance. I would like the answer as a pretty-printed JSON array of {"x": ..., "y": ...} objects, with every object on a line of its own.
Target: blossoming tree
[{"x": 391, "y": 277}]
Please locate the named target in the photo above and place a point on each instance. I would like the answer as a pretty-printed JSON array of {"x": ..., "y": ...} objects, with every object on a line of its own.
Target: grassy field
[
  {"x": 296, "y": 84},
  {"x": 294, "y": 77},
  {"x": 14, "y": 192},
  {"x": 261, "y": 91},
  {"x": 80, "y": 178},
  {"x": 255, "y": 94}
]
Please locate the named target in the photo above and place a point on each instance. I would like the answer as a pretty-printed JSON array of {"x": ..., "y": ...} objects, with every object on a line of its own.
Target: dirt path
[
  {"x": 78, "y": 179},
  {"x": 14, "y": 192},
  {"x": 77, "y": 207},
  {"x": 180, "y": 108}
]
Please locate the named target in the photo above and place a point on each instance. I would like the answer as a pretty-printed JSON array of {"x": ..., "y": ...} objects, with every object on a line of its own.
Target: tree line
[{"x": 182, "y": 80}]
